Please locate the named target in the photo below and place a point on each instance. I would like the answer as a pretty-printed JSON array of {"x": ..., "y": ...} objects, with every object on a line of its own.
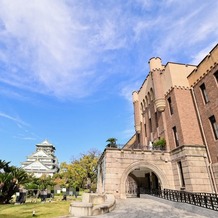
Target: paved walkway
[{"x": 149, "y": 207}]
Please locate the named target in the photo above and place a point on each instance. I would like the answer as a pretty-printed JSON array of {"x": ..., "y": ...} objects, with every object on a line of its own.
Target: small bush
[{"x": 160, "y": 144}]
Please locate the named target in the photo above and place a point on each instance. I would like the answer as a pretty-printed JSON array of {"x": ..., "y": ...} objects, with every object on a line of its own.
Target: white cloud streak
[
  {"x": 197, "y": 58},
  {"x": 17, "y": 120},
  {"x": 25, "y": 138}
]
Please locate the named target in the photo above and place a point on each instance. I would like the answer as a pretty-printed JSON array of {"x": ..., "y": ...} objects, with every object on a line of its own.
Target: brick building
[
  {"x": 204, "y": 85},
  {"x": 176, "y": 133}
]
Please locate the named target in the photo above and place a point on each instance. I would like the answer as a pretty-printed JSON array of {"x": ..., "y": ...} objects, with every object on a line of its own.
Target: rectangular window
[
  {"x": 156, "y": 119},
  {"x": 175, "y": 136},
  {"x": 138, "y": 138},
  {"x": 170, "y": 105},
  {"x": 214, "y": 126},
  {"x": 216, "y": 76},
  {"x": 204, "y": 93},
  {"x": 150, "y": 125},
  {"x": 181, "y": 175},
  {"x": 145, "y": 130}
]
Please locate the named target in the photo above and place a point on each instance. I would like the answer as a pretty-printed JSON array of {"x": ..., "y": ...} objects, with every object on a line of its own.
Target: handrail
[
  {"x": 142, "y": 147},
  {"x": 206, "y": 200}
]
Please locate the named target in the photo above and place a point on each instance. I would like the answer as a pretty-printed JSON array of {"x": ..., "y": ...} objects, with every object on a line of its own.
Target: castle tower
[{"x": 42, "y": 161}]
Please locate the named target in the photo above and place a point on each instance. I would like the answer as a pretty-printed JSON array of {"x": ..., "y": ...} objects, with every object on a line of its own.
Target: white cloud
[
  {"x": 61, "y": 48},
  {"x": 108, "y": 37},
  {"x": 186, "y": 29},
  {"x": 197, "y": 58},
  {"x": 146, "y": 4},
  {"x": 141, "y": 28},
  {"x": 49, "y": 47},
  {"x": 127, "y": 90}
]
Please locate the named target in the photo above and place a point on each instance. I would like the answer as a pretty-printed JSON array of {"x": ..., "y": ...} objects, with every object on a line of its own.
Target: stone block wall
[
  {"x": 120, "y": 163},
  {"x": 215, "y": 172},
  {"x": 195, "y": 168}
]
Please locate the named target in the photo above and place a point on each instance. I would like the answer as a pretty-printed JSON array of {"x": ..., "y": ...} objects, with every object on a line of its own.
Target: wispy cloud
[
  {"x": 127, "y": 90},
  {"x": 197, "y": 58},
  {"x": 69, "y": 48},
  {"x": 185, "y": 31},
  {"x": 54, "y": 46},
  {"x": 19, "y": 122},
  {"x": 22, "y": 132},
  {"x": 25, "y": 138}
]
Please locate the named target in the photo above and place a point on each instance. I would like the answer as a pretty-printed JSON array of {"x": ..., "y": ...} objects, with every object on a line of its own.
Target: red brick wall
[
  {"x": 209, "y": 109},
  {"x": 184, "y": 118}
]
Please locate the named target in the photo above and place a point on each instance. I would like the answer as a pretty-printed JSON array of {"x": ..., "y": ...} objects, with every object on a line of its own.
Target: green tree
[
  {"x": 80, "y": 172},
  {"x": 33, "y": 183},
  {"x": 89, "y": 163},
  {"x": 11, "y": 178},
  {"x": 40, "y": 183},
  {"x": 112, "y": 142},
  {"x": 70, "y": 175}
]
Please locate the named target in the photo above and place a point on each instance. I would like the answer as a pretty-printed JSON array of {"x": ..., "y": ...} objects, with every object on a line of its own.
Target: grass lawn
[{"x": 47, "y": 210}]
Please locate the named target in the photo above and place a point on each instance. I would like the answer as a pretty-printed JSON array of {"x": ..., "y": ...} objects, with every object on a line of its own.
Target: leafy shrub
[{"x": 160, "y": 144}]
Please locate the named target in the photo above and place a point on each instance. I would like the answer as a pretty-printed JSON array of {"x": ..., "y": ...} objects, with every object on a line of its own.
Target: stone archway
[{"x": 141, "y": 164}]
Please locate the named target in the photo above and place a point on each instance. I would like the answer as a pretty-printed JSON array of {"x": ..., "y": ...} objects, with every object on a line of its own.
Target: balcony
[
  {"x": 153, "y": 147},
  {"x": 157, "y": 145}
]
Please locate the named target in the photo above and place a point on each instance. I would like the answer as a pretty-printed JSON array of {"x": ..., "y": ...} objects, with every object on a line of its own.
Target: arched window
[
  {"x": 144, "y": 104},
  {"x": 146, "y": 101},
  {"x": 149, "y": 98},
  {"x": 142, "y": 108},
  {"x": 152, "y": 94}
]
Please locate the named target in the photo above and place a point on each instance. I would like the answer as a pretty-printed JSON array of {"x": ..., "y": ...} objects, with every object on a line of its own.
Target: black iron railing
[
  {"x": 206, "y": 200},
  {"x": 150, "y": 147}
]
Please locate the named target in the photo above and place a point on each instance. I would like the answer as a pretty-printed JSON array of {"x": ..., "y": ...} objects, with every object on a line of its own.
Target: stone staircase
[{"x": 93, "y": 204}]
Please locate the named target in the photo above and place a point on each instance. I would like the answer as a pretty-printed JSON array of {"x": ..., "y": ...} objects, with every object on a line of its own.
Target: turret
[
  {"x": 136, "y": 111},
  {"x": 156, "y": 70}
]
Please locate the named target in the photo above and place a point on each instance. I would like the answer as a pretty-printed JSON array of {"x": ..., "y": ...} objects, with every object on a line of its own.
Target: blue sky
[{"x": 68, "y": 67}]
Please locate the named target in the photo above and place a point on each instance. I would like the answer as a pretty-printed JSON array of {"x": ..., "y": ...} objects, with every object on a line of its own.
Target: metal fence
[{"x": 206, "y": 200}]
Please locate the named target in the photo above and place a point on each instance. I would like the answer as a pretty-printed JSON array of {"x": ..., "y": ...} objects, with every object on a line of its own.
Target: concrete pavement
[{"x": 150, "y": 207}]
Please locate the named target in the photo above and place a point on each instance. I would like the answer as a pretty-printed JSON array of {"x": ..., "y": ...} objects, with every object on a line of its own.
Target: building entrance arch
[{"x": 139, "y": 177}]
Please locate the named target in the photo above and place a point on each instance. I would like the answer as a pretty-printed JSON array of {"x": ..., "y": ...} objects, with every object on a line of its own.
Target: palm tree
[
  {"x": 112, "y": 142},
  {"x": 10, "y": 179}
]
